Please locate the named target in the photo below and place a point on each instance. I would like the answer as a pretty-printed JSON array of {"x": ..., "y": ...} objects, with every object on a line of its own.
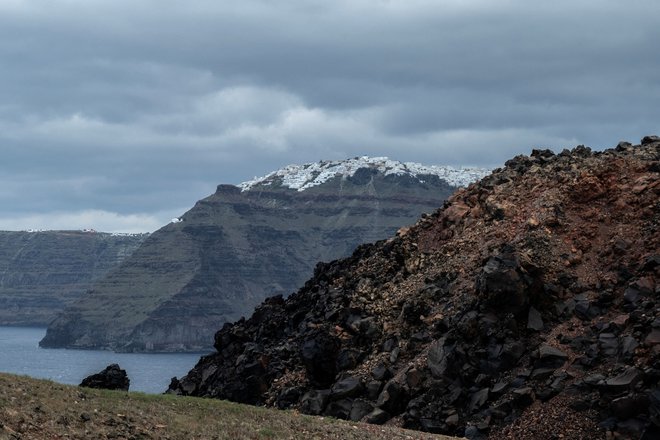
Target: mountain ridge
[
  {"x": 42, "y": 272},
  {"x": 230, "y": 251},
  {"x": 308, "y": 175}
]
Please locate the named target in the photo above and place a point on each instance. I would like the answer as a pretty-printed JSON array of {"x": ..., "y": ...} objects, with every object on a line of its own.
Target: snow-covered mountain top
[
  {"x": 83, "y": 231},
  {"x": 302, "y": 177}
]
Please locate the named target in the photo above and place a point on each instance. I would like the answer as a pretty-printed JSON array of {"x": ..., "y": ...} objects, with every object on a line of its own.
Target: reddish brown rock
[{"x": 476, "y": 325}]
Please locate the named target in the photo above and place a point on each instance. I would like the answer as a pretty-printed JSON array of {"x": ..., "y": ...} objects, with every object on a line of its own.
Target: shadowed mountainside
[{"x": 239, "y": 246}]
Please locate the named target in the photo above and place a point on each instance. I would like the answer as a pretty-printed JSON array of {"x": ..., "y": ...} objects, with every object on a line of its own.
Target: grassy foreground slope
[{"x": 39, "y": 409}]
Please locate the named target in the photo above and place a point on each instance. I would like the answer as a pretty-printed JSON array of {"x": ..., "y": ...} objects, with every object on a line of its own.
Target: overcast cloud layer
[{"x": 117, "y": 115}]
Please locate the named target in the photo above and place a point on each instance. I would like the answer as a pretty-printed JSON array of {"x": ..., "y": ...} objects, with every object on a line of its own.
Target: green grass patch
[{"x": 31, "y": 408}]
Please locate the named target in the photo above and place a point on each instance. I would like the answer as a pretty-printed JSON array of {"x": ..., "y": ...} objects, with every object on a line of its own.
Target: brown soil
[{"x": 43, "y": 410}]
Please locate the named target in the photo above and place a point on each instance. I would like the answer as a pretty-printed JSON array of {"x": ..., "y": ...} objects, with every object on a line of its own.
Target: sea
[{"x": 148, "y": 372}]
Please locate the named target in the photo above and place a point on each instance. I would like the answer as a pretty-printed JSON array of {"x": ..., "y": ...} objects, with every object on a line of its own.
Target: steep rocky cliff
[
  {"x": 243, "y": 244},
  {"x": 43, "y": 272},
  {"x": 526, "y": 308}
]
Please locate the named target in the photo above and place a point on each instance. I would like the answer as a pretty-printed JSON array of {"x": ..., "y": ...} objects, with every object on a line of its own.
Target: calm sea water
[{"x": 149, "y": 373}]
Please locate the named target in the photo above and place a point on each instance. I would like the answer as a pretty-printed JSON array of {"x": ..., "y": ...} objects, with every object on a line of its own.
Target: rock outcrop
[
  {"x": 243, "y": 244},
  {"x": 525, "y": 308},
  {"x": 43, "y": 272},
  {"x": 111, "y": 378}
]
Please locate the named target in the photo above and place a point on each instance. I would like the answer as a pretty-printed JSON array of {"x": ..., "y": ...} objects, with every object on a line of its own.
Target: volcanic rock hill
[
  {"x": 526, "y": 308},
  {"x": 43, "y": 272},
  {"x": 243, "y": 244}
]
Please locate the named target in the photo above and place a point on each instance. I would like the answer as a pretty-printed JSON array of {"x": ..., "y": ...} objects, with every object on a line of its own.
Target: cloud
[
  {"x": 90, "y": 219},
  {"x": 135, "y": 107}
]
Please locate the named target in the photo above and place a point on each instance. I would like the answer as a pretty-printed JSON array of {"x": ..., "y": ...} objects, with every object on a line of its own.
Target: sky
[{"x": 118, "y": 115}]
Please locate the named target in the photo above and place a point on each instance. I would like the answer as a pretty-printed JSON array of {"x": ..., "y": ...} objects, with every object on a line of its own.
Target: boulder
[
  {"x": 650, "y": 139},
  {"x": 314, "y": 401},
  {"x": 439, "y": 357},
  {"x": 349, "y": 387},
  {"x": 478, "y": 399},
  {"x": 534, "y": 320},
  {"x": 654, "y": 407},
  {"x": 393, "y": 398},
  {"x": 550, "y": 357},
  {"x": 653, "y": 338},
  {"x": 624, "y": 381},
  {"x": 377, "y": 417},
  {"x": 501, "y": 283},
  {"x": 629, "y": 406},
  {"x": 340, "y": 409},
  {"x": 319, "y": 355},
  {"x": 360, "y": 409},
  {"x": 111, "y": 378},
  {"x": 381, "y": 372}
]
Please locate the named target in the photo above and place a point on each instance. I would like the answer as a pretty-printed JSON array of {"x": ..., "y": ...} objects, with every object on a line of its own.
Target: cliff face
[
  {"x": 527, "y": 307},
  {"x": 235, "y": 248},
  {"x": 43, "y": 272}
]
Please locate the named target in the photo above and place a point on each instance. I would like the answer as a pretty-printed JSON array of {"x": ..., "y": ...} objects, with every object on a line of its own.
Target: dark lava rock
[
  {"x": 474, "y": 312},
  {"x": 372, "y": 389},
  {"x": 653, "y": 338},
  {"x": 319, "y": 354},
  {"x": 623, "y": 382},
  {"x": 340, "y": 409},
  {"x": 502, "y": 284},
  {"x": 650, "y": 139},
  {"x": 541, "y": 373},
  {"x": 534, "y": 320},
  {"x": 629, "y": 406},
  {"x": 288, "y": 396},
  {"x": 585, "y": 309},
  {"x": 652, "y": 262},
  {"x": 609, "y": 344},
  {"x": 111, "y": 378},
  {"x": 654, "y": 407},
  {"x": 498, "y": 387},
  {"x": 381, "y": 372},
  {"x": 621, "y": 146},
  {"x": 550, "y": 357},
  {"x": 432, "y": 425},
  {"x": 628, "y": 346},
  {"x": 348, "y": 359},
  {"x": 439, "y": 357},
  {"x": 393, "y": 398},
  {"x": 377, "y": 417},
  {"x": 314, "y": 401},
  {"x": 360, "y": 409},
  {"x": 523, "y": 397},
  {"x": 478, "y": 399},
  {"x": 349, "y": 387}
]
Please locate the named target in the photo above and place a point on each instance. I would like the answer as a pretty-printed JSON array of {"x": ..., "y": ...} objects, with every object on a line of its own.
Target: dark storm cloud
[{"x": 123, "y": 113}]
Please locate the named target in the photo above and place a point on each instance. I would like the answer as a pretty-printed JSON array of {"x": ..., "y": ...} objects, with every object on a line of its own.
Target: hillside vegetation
[{"x": 39, "y": 409}]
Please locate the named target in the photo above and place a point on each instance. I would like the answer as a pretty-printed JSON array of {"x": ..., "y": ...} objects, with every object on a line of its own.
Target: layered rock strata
[
  {"x": 43, "y": 272},
  {"x": 243, "y": 244}
]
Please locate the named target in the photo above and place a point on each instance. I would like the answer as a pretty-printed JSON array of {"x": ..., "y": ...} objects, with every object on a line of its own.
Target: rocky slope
[
  {"x": 525, "y": 308},
  {"x": 43, "y": 272},
  {"x": 243, "y": 244}
]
